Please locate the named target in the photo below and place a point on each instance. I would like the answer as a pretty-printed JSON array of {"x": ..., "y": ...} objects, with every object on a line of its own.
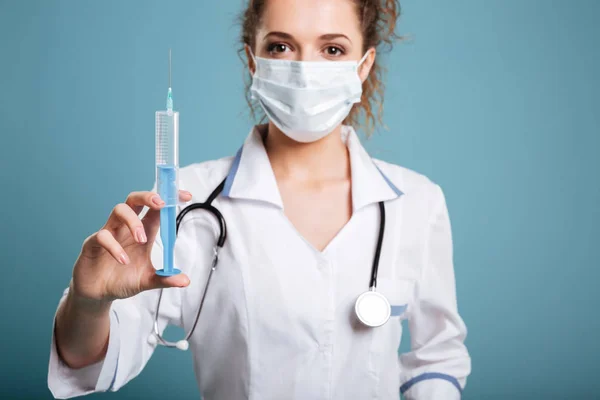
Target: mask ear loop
[
  {"x": 359, "y": 64},
  {"x": 253, "y": 60},
  {"x": 362, "y": 60}
]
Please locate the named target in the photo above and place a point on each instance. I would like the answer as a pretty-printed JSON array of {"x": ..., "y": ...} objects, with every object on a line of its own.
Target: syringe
[{"x": 167, "y": 166}]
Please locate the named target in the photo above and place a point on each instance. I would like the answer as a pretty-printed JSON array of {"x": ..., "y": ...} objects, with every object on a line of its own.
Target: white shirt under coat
[{"x": 278, "y": 321}]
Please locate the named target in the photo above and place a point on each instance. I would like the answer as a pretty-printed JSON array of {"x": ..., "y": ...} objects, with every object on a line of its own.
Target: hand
[{"x": 115, "y": 262}]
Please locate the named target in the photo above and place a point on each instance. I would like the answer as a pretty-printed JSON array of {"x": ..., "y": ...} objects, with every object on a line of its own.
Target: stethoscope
[{"x": 372, "y": 308}]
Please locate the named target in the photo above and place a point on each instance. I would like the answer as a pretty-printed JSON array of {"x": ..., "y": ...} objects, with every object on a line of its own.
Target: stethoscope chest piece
[{"x": 372, "y": 309}]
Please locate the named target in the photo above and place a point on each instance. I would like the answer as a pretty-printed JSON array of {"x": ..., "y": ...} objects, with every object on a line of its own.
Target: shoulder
[{"x": 202, "y": 178}]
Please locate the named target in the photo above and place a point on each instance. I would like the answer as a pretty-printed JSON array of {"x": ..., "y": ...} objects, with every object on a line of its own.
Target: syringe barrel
[{"x": 167, "y": 156}]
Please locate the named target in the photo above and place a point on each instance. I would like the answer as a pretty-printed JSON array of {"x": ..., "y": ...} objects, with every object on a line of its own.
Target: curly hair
[{"x": 378, "y": 23}]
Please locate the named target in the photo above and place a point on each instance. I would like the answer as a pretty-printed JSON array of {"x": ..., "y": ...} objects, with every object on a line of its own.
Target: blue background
[{"x": 497, "y": 101}]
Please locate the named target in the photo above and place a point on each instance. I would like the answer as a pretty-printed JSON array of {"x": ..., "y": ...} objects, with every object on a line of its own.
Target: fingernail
[
  {"x": 186, "y": 192},
  {"x": 123, "y": 258},
  {"x": 140, "y": 235},
  {"x": 156, "y": 200}
]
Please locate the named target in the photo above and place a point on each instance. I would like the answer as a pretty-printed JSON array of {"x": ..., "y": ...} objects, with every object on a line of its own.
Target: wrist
[{"x": 81, "y": 304}]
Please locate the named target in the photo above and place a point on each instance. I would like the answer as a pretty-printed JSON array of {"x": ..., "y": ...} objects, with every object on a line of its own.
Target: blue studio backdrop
[{"x": 497, "y": 101}]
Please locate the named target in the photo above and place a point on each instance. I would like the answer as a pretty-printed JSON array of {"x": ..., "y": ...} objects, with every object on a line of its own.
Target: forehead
[{"x": 311, "y": 17}]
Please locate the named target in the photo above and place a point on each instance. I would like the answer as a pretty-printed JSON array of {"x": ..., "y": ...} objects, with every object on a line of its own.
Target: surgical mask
[{"x": 306, "y": 100}]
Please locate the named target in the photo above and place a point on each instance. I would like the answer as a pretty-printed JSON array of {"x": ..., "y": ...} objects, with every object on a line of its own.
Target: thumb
[{"x": 151, "y": 281}]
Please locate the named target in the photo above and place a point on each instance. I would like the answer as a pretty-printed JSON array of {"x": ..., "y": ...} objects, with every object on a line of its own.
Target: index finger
[
  {"x": 137, "y": 201},
  {"x": 151, "y": 220}
]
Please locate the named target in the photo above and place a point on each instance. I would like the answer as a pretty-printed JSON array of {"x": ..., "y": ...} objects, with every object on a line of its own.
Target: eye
[
  {"x": 275, "y": 48},
  {"x": 334, "y": 51}
]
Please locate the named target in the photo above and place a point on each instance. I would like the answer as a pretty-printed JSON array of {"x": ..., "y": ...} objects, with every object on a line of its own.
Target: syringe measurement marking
[{"x": 162, "y": 146}]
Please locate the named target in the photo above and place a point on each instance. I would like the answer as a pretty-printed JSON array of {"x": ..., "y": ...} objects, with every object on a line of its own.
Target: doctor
[{"x": 302, "y": 204}]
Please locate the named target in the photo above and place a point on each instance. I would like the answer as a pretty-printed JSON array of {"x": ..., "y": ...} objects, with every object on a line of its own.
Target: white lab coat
[{"x": 278, "y": 321}]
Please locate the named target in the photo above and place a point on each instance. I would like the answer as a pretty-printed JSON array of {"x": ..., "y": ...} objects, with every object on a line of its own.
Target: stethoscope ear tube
[
  {"x": 182, "y": 345},
  {"x": 211, "y": 209},
  {"x": 207, "y": 206}
]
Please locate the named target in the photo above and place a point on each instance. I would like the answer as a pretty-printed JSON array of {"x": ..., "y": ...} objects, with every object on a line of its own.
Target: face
[{"x": 311, "y": 30}]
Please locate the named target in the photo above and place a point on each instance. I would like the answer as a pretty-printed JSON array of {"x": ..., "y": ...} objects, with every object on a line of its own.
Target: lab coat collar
[{"x": 251, "y": 177}]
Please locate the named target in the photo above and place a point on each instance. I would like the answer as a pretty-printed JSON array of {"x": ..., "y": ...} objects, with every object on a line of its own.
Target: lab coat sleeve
[
  {"x": 438, "y": 364},
  {"x": 131, "y": 322}
]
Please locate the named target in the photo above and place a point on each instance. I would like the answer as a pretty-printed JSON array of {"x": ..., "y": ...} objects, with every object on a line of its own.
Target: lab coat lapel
[
  {"x": 251, "y": 177},
  {"x": 369, "y": 183}
]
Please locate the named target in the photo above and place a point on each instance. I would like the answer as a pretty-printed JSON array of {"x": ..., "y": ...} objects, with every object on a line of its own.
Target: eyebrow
[
  {"x": 278, "y": 34},
  {"x": 332, "y": 36},
  {"x": 328, "y": 36}
]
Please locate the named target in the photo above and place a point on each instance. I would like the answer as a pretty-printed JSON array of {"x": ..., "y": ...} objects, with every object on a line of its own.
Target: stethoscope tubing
[
  {"x": 207, "y": 206},
  {"x": 375, "y": 266}
]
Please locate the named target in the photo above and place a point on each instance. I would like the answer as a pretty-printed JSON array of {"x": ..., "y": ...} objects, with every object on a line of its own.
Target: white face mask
[{"x": 306, "y": 99}]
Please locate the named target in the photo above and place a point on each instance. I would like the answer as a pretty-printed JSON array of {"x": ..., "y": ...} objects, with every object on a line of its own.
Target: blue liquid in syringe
[{"x": 167, "y": 189}]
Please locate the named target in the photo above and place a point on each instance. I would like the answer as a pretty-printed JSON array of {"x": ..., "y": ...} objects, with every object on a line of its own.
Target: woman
[{"x": 301, "y": 199}]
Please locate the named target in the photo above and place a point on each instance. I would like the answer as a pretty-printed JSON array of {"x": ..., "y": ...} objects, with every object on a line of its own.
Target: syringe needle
[{"x": 169, "y": 94}]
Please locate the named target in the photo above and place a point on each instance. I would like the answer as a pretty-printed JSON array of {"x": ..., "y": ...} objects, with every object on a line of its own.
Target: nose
[{"x": 307, "y": 52}]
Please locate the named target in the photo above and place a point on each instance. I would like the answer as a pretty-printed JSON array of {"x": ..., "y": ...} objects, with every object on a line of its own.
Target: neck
[{"x": 325, "y": 159}]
